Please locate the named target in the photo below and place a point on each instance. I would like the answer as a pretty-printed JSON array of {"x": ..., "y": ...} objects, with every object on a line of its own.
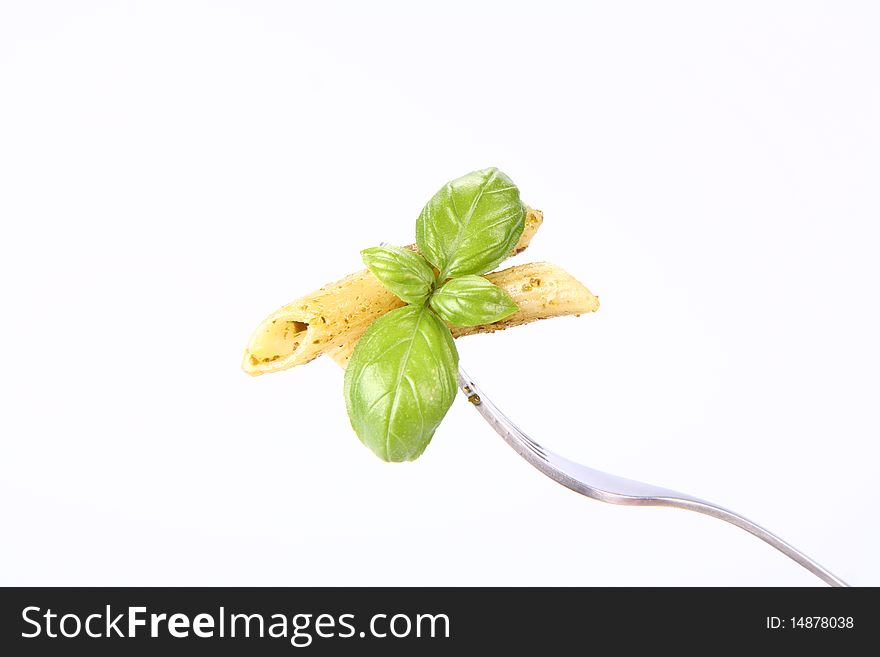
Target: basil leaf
[
  {"x": 472, "y": 224},
  {"x": 406, "y": 274},
  {"x": 400, "y": 382},
  {"x": 472, "y": 300}
]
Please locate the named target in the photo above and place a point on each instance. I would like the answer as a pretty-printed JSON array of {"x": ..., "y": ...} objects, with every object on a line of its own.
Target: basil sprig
[{"x": 400, "y": 381}]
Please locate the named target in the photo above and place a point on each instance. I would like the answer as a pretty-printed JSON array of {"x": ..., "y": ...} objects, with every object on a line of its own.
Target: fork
[{"x": 617, "y": 490}]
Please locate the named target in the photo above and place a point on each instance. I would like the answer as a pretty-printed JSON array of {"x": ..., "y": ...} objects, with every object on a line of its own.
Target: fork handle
[
  {"x": 710, "y": 509},
  {"x": 617, "y": 490}
]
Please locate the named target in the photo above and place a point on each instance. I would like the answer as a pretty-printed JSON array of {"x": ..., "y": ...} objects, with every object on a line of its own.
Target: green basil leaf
[
  {"x": 400, "y": 382},
  {"x": 472, "y": 224},
  {"x": 406, "y": 274},
  {"x": 472, "y": 300}
]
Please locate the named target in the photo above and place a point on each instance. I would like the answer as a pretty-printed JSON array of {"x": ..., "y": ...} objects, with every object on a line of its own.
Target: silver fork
[{"x": 617, "y": 490}]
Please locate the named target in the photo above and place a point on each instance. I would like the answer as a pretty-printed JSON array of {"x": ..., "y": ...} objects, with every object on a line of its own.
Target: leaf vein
[
  {"x": 396, "y": 387},
  {"x": 466, "y": 219}
]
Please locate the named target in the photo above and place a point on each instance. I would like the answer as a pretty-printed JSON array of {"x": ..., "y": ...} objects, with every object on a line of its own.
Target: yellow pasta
[
  {"x": 541, "y": 290},
  {"x": 328, "y": 319}
]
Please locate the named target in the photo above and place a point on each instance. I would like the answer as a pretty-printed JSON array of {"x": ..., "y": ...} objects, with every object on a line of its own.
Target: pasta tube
[
  {"x": 324, "y": 320},
  {"x": 540, "y": 289}
]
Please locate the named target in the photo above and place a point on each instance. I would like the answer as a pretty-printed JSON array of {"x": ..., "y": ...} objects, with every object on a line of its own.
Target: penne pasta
[
  {"x": 332, "y": 317},
  {"x": 541, "y": 290}
]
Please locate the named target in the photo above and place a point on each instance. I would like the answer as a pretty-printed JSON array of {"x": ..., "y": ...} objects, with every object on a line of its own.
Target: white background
[{"x": 171, "y": 172}]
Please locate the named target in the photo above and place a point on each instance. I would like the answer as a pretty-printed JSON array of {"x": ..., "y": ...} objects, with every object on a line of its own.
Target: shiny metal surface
[{"x": 617, "y": 490}]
